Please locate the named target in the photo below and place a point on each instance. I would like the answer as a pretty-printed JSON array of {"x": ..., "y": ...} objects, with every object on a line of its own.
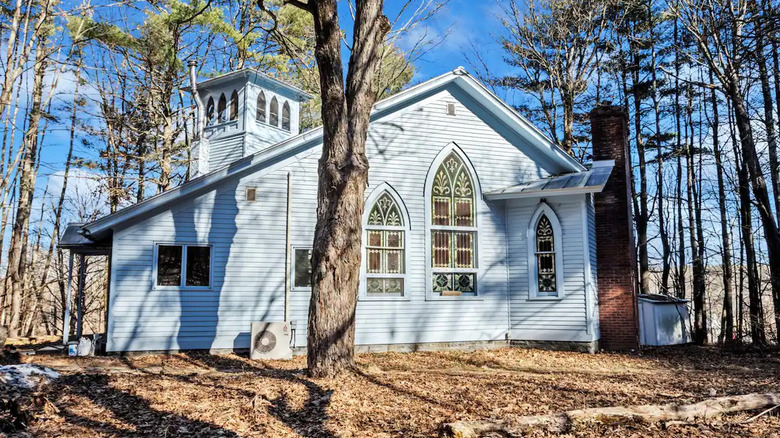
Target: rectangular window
[
  {"x": 198, "y": 266},
  {"x": 169, "y": 262},
  {"x": 302, "y": 268},
  {"x": 194, "y": 261}
]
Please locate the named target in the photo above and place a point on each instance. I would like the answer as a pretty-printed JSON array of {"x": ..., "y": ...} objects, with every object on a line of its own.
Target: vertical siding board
[{"x": 249, "y": 242}]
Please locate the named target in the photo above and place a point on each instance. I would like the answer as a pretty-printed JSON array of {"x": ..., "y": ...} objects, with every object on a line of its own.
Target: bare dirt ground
[{"x": 392, "y": 394}]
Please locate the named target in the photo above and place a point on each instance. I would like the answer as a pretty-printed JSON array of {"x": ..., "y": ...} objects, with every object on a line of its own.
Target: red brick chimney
[{"x": 615, "y": 250}]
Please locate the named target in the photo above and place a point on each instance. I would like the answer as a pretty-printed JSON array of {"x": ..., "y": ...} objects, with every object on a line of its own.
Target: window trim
[
  {"x": 429, "y": 227},
  {"x": 533, "y": 279},
  {"x": 293, "y": 287},
  {"x": 375, "y": 194},
  {"x": 182, "y": 284}
]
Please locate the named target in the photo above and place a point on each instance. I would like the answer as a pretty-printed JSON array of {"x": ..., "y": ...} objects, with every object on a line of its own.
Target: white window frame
[
  {"x": 429, "y": 294},
  {"x": 533, "y": 272},
  {"x": 182, "y": 283},
  {"x": 406, "y": 228},
  {"x": 294, "y": 248}
]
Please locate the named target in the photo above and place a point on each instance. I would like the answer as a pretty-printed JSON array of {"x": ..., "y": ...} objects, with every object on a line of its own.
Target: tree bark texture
[{"x": 343, "y": 176}]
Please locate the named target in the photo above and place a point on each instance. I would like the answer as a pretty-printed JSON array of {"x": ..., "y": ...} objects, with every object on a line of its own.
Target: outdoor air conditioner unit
[{"x": 270, "y": 340}]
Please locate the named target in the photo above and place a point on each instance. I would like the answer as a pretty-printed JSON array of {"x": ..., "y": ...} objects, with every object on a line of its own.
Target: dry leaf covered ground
[{"x": 392, "y": 394}]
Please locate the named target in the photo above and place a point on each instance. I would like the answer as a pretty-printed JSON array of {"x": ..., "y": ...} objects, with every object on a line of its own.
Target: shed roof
[
  {"x": 590, "y": 181},
  {"x": 74, "y": 240}
]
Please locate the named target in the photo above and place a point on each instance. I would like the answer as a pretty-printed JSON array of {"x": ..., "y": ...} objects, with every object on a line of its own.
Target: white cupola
[{"x": 241, "y": 113}]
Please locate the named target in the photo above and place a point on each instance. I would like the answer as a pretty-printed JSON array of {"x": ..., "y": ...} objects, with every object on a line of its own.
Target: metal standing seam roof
[{"x": 589, "y": 181}]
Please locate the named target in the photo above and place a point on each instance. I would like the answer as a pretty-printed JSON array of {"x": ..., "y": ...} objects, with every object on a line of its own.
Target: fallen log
[{"x": 565, "y": 421}]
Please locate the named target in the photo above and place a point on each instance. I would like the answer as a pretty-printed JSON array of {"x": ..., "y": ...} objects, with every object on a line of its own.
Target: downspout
[{"x": 287, "y": 255}]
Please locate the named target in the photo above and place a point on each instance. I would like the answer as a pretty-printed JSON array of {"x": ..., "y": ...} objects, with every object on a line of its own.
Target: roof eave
[
  {"x": 109, "y": 222},
  {"x": 509, "y": 194}
]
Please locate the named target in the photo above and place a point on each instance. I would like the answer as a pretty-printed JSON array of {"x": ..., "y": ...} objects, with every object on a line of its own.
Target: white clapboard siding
[
  {"x": 548, "y": 319},
  {"x": 248, "y": 241},
  {"x": 225, "y": 150}
]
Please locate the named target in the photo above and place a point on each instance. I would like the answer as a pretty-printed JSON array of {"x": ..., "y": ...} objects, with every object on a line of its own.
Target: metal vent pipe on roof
[{"x": 199, "y": 112}]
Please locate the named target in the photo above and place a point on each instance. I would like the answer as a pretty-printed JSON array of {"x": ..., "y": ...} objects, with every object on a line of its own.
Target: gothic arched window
[
  {"x": 545, "y": 254},
  {"x": 453, "y": 231},
  {"x": 286, "y": 116},
  {"x": 221, "y": 108},
  {"x": 234, "y": 105},
  {"x": 385, "y": 247},
  {"x": 260, "y": 117},
  {"x": 210, "y": 112},
  {"x": 274, "y": 112}
]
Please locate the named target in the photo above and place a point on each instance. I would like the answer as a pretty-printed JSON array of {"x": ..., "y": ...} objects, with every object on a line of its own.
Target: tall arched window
[
  {"x": 260, "y": 117},
  {"x": 221, "y": 108},
  {"x": 234, "y": 105},
  {"x": 453, "y": 228},
  {"x": 385, "y": 248},
  {"x": 210, "y": 112},
  {"x": 544, "y": 254},
  {"x": 286, "y": 116},
  {"x": 274, "y": 120}
]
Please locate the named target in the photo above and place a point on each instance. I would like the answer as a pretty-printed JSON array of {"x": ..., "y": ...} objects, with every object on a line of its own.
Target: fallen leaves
[{"x": 392, "y": 394}]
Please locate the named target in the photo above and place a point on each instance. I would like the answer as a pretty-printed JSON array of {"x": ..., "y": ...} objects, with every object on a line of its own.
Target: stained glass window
[
  {"x": 545, "y": 256},
  {"x": 453, "y": 233},
  {"x": 385, "y": 249}
]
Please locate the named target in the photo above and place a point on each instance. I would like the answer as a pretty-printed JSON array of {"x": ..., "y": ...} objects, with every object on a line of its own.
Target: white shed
[{"x": 663, "y": 320}]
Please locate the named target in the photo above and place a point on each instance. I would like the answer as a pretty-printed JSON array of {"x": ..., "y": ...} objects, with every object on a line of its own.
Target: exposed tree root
[{"x": 615, "y": 414}]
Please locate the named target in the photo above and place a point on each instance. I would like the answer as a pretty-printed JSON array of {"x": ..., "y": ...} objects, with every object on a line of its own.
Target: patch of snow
[{"x": 26, "y": 376}]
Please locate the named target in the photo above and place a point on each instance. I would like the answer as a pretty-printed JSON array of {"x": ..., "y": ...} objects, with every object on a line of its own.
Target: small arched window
[
  {"x": 453, "y": 228},
  {"x": 260, "y": 117},
  {"x": 544, "y": 252},
  {"x": 221, "y": 108},
  {"x": 274, "y": 120},
  {"x": 234, "y": 105},
  {"x": 286, "y": 116},
  {"x": 210, "y": 112},
  {"x": 385, "y": 247}
]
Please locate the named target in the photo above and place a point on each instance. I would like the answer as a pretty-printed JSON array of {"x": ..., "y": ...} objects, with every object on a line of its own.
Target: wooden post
[
  {"x": 66, "y": 304},
  {"x": 80, "y": 296}
]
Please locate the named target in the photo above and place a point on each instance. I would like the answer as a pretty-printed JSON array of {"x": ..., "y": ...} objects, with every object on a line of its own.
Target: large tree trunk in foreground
[
  {"x": 343, "y": 176},
  {"x": 615, "y": 414}
]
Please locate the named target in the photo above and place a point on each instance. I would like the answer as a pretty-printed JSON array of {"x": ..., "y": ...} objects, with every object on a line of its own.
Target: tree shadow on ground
[
  {"x": 131, "y": 415},
  {"x": 309, "y": 421},
  {"x": 136, "y": 413}
]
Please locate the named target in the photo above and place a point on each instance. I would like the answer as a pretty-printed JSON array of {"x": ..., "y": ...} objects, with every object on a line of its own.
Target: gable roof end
[{"x": 459, "y": 77}]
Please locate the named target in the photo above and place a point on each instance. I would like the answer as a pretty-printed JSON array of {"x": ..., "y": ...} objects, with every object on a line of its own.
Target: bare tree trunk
[
  {"x": 699, "y": 312},
  {"x": 17, "y": 260},
  {"x": 771, "y": 139},
  {"x": 727, "y": 314},
  {"x": 343, "y": 175},
  {"x": 758, "y": 184},
  {"x": 663, "y": 233},
  {"x": 755, "y": 307},
  {"x": 677, "y": 113},
  {"x": 641, "y": 216}
]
